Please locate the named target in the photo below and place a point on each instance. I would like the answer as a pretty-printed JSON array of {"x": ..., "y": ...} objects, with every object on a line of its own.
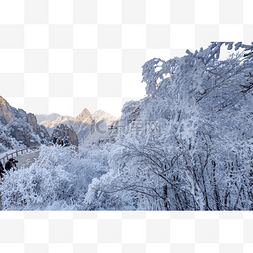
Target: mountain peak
[
  {"x": 2, "y": 101},
  {"x": 6, "y": 113},
  {"x": 85, "y": 113},
  {"x": 100, "y": 114},
  {"x": 83, "y": 116}
]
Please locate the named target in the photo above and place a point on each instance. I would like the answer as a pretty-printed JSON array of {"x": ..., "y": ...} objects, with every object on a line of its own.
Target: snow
[{"x": 200, "y": 160}]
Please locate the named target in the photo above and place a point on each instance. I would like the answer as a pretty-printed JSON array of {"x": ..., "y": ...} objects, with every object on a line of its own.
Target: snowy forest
[{"x": 187, "y": 145}]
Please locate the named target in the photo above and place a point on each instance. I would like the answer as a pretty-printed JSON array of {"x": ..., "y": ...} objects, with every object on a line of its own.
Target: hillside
[{"x": 19, "y": 129}]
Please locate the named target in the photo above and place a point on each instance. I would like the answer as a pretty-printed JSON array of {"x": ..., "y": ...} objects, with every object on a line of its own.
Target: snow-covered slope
[{"x": 19, "y": 129}]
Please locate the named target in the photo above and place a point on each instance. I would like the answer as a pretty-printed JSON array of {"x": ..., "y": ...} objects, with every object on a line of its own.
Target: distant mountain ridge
[
  {"x": 44, "y": 117},
  {"x": 60, "y": 120},
  {"x": 83, "y": 124},
  {"x": 100, "y": 114}
]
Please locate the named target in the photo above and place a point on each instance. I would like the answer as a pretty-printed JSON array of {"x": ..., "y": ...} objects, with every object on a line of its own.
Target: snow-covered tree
[
  {"x": 198, "y": 162},
  {"x": 57, "y": 180},
  {"x": 187, "y": 145}
]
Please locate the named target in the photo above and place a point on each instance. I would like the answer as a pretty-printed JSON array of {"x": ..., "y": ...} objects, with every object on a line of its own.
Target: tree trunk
[
  {"x": 165, "y": 195},
  {"x": 216, "y": 192}
]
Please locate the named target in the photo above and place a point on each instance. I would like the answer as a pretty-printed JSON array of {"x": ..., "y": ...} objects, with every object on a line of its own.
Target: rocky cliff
[
  {"x": 63, "y": 132},
  {"x": 19, "y": 129},
  {"x": 84, "y": 116},
  {"x": 5, "y": 111}
]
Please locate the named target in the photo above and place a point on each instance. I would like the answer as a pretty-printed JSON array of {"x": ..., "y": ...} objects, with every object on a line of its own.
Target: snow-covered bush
[{"x": 57, "y": 180}]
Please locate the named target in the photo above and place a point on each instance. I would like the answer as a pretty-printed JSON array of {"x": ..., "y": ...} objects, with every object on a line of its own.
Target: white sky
[{"x": 132, "y": 89}]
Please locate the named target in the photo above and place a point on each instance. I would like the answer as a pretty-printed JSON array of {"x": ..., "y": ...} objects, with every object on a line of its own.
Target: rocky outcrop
[
  {"x": 5, "y": 111},
  {"x": 84, "y": 117},
  {"x": 19, "y": 129},
  {"x": 27, "y": 131},
  {"x": 24, "y": 136},
  {"x": 64, "y": 132},
  {"x": 32, "y": 120}
]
